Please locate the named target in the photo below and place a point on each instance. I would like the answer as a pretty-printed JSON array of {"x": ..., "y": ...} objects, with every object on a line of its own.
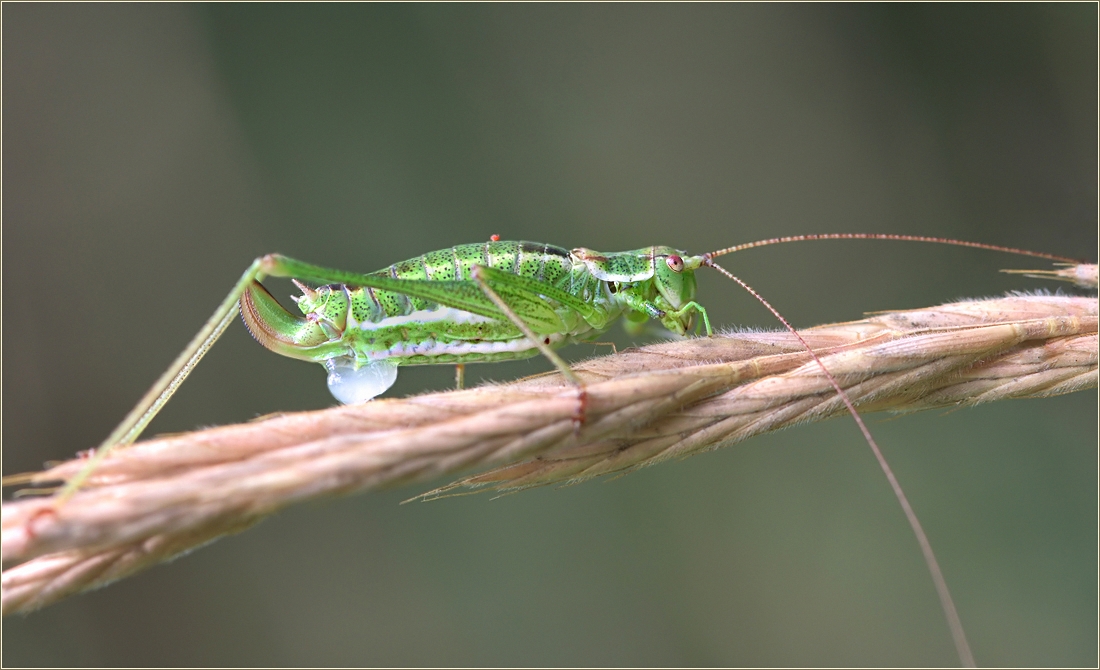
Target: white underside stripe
[
  {"x": 425, "y": 316},
  {"x": 433, "y": 348}
]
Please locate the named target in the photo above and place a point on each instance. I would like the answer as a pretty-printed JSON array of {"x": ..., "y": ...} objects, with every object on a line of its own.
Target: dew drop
[{"x": 351, "y": 386}]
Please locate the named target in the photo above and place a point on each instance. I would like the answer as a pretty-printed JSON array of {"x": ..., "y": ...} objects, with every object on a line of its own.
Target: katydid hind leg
[
  {"x": 162, "y": 390},
  {"x": 170, "y": 380},
  {"x": 462, "y": 294}
]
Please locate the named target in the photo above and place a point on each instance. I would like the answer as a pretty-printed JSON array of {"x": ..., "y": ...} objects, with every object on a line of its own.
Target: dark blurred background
[{"x": 151, "y": 151}]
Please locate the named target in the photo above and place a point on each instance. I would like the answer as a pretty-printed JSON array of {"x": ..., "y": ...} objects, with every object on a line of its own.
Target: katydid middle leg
[{"x": 481, "y": 275}]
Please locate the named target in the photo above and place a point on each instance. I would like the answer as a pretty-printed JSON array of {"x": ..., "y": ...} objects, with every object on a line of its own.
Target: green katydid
[
  {"x": 478, "y": 302},
  {"x": 445, "y": 307},
  {"x": 471, "y": 303}
]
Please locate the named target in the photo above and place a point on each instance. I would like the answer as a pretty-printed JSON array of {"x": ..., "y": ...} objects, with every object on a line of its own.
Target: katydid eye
[{"x": 675, "y": 263}]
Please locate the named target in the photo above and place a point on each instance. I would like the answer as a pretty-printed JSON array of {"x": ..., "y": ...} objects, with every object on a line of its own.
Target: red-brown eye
[{"x": 675, "y": 263}]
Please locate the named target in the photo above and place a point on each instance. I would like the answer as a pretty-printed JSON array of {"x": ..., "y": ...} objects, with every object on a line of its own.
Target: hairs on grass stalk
[{"x": 160, "y": 498}]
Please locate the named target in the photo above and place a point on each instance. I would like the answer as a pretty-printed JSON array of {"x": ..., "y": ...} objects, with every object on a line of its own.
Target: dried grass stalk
[{"x": 160, "y": 498}]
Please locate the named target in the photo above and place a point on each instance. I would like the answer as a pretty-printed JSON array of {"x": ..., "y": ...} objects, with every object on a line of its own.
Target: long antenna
[
  {"x": 891, "y": 236},
  {"x": 966, "y": 657}
]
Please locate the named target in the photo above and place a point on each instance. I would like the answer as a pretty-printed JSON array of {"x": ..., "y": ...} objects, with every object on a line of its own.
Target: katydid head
[
  {"x": 674, "y": 279},
  {"x": 660, "y": 281}
]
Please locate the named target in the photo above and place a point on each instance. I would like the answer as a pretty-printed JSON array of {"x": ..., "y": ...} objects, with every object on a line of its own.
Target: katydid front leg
[
  {"x": 698, "y": 309},
  {"x": 640, "y": 305}
]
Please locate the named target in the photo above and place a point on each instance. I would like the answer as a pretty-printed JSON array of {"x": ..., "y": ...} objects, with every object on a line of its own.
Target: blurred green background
[{"x": 151, "y": 151}]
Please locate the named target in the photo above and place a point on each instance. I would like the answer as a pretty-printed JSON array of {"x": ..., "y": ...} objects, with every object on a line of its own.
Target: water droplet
[{"x": 351, "y": 386}]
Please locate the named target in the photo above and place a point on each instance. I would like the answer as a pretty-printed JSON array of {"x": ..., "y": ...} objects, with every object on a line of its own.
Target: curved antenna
[
  {"x": 891, "y": 236},
  {"x": 962, "y": 647}
]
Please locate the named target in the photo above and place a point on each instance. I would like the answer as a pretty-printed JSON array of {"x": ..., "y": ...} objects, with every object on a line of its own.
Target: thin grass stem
[{"x": 156, "y": 499}]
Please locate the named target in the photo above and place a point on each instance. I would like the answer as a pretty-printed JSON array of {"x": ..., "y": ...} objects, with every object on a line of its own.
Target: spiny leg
[
  {"x": 166, "y": 385},
  {"x": 460, "y": 376},
  {"x": 477, "y": 274},
  {"x": 169, "y": 382}
]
